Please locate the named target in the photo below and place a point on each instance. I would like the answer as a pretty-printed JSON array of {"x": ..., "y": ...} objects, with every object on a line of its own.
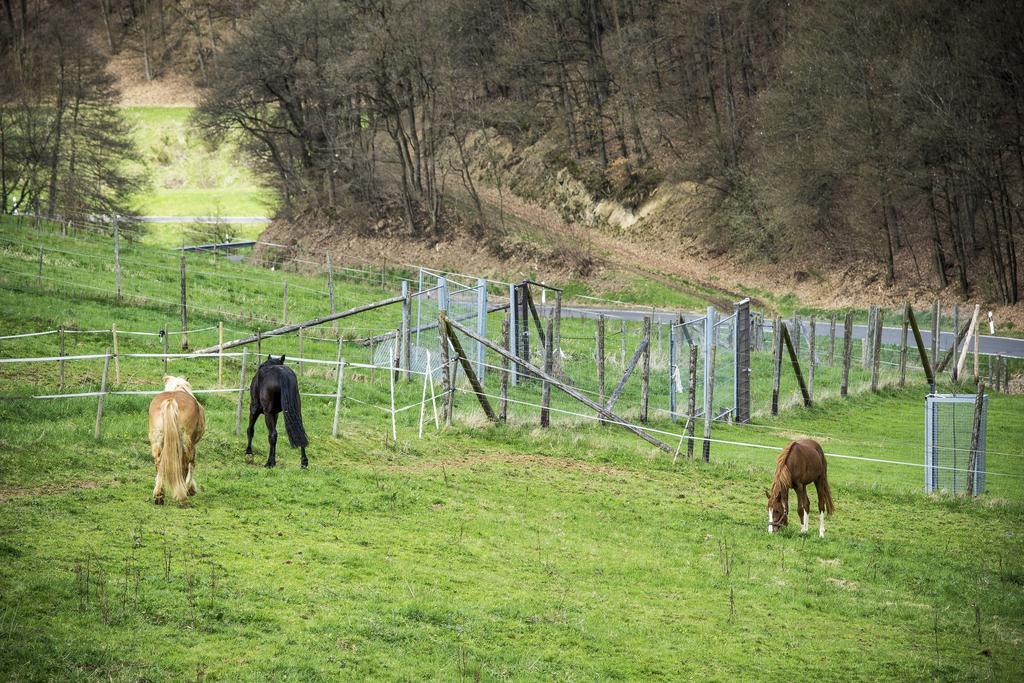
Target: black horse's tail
[{"x": 292, "y": 408}]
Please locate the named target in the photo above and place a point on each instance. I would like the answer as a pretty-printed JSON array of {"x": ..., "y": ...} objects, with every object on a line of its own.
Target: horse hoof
[
  {"x": 270, "y": 465},
  {"x": 158, "y": 501}
]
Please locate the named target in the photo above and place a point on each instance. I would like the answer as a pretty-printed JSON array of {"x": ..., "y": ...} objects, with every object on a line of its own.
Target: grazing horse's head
[
  {"x": 778, "y": 509},
  {"x": 172, "y": 383}
]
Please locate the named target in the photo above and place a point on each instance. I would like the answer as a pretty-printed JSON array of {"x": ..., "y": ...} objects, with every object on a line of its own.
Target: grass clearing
[
  {"x": 190, "y": 176},
  {"x": 498, "y": 552}
]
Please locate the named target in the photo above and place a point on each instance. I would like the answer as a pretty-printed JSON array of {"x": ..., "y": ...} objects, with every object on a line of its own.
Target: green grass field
[
  {"x": 190, "y": 176},
  {"x": 497, "y": 552}
]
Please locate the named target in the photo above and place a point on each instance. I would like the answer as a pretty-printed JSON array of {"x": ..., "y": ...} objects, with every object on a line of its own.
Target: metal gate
[{"x": 948, "y": 425}]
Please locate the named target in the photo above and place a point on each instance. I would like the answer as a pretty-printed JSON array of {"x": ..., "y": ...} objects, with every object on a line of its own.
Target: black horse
[{"x": 274, "y": 389}]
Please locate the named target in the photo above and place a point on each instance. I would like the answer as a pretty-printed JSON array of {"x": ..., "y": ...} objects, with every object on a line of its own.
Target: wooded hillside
[{"x": 888, "y": 131}]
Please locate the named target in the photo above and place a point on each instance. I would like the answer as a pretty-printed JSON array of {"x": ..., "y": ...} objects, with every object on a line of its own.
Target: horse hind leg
[
  {"x": 158, "y": 487},
  {"x": 821, "y": 512},
  {"x": 305, "y": 462},
  {"x": 271, "y": 420},
  {"x": 254, "y": 413}
]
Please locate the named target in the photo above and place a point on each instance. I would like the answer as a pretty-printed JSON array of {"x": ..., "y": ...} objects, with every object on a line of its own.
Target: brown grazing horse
[
  {"x": 800, "y": 463},
  {"x": 176, "y": 423}
]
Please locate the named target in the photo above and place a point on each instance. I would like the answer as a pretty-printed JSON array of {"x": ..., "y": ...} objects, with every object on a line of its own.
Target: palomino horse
[
  {"x": 176, "y": 423},
  {"x": 800, "y": 463},
  {"x": 274, "y": 389}
]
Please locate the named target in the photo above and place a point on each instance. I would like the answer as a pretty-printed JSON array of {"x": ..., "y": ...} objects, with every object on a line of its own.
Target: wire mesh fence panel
[
  {"x": 949, "y": 422},
  {"x": 684, "y": 336},
  {"x": 724, "y": 394}
]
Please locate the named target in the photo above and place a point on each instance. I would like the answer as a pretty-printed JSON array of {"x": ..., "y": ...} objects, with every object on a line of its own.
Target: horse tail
[
  {"x": 824, "y": 492},
  {"x": 292, "y": 408},
  {"x": 172, "y": 451}
]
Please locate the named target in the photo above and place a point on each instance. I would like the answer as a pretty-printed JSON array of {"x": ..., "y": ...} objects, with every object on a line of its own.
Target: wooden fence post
[
  {"x": 692, "y": 402},
  {"x": 117, "y": 259},
  {"x": 972, "y": 463},
  {"x": 117, "y": 359},
  {"x": 241, "y": 392},
  {"x": 503, "y": 389},
  {"x": 184, "y": 306},
  {"x": 847, "y": 352},
  {"x": 977, "y": 338},
  {"x": 1006, "y": 375},
  {"x": 998, "y": 373},
  {"x": 102, "y": 396},
  {"x": 622, "y": 340},
  {"x": 953, "y": 370},
  {"x": 936, "y": 331},
  {"x": 645, "y": 371},
  {"x": 709, "y": 407},
  {"x": 284, "y": 303},
  {"x": 797, "y": 329},
  {"x": 545, "y": 401},
  {"x": 220, "y": 354},
  {"x": 777, "y": 365},
  {"x": 903, "y": 344},
  {"x": 62, "y": 359},
  {"x": 330, "y": 282},
  {"x": 165, "y": 335},
  {"x": 302, "y": 366},
  {"x": 40, "y": 276},
  {"x": 832, "y": 339},
  {"x": 339, "y": 379},
  {"x": 876, "y": 348},
  {"x": 599, "y": 358},
  {"x": 811, "y": 343}
]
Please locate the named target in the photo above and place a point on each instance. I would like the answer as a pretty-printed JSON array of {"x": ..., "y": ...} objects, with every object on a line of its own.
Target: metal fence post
[
  {"x": 671, "y": 373},
  {"x": 741, "y": 360},
  {"x": 481, "y": 325},
  {"x": 513, "y": 333},
  {"x": 709, "y": 364}
]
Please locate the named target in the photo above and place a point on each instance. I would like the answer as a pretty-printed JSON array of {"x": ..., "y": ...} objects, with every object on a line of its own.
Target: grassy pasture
[
  {"x": 505, "y": 552},
  {"x": 191, "y": 177}
]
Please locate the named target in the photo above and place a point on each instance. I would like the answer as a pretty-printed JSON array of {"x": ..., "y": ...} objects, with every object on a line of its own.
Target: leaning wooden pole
[
  {"x": 796, "y": 366},
  {"x": 972, "y": 463},
  {"x": 599, "y": 409},
  {"x": 921, "y": 350},
  {"x": 640, "y": 351},
  {"x": 959, "y": 337},
  {"x": 303, "y": 325},
  {"x": 467, "y": 366}
]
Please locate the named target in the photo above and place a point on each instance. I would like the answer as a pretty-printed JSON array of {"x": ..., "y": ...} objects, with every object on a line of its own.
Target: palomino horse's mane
[
  {"x": 783, "y": 479},
  {"x": 172, "y": 383}
]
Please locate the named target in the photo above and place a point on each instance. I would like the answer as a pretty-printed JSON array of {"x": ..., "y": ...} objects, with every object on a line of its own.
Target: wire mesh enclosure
[
  {"x": 465, "y": 301},
  {"x": 730, "y": 367},
  {"x": 949, "y": 421}
]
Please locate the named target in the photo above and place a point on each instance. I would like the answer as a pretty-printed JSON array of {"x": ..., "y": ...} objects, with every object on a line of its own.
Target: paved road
[
  {"x": 204, "y": 219},
  {"x": 1011, "y": 347}
]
